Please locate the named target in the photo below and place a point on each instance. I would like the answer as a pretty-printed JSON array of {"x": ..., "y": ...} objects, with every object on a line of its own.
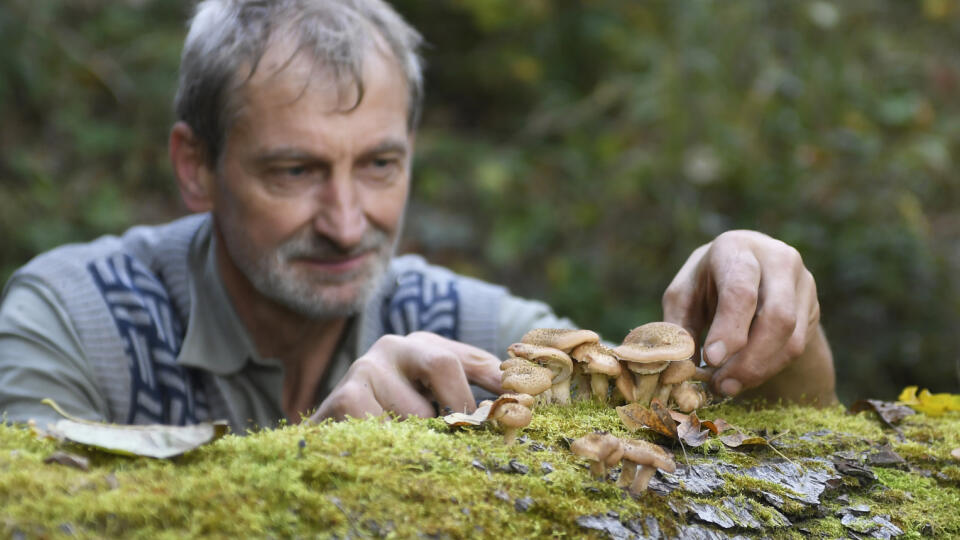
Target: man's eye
[{"x": 296, "y": 170}]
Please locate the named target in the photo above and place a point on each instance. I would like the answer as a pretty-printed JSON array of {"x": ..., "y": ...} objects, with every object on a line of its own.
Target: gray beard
[{"x": 272, "y": 276}]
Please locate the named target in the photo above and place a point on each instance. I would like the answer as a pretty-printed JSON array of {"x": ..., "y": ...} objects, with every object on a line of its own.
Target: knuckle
[
  {"x": 742, "y": 293},
  {"x": 796, "y": 345},
  {"x": 780, "y": 319}
]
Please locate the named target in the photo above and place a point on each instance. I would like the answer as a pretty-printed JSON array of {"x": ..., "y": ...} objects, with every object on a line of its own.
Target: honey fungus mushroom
[
  {"x": 525, "y": 377},
  {"x": 647, "y": 350},
  {"x": 511, "y": 416},
  {"x": 557, "y": 361},
  {"x": 640, "y": 460},
  {"x": 688, "y": 396},
  {"x": 601, "y": 449},
  {"x": 599, "y": 362},
  {"x": 565, "y": 339}
]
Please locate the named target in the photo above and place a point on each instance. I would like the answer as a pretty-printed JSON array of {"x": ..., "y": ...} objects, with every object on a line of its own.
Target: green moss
[{"x": 371, "y": 477}]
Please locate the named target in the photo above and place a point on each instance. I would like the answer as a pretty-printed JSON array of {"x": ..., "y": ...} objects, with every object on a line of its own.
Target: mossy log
[{"x": 826, "y": 473}]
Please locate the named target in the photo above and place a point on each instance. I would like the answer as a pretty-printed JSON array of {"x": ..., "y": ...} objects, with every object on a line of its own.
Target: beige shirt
[{"x": 41, "y": 354}]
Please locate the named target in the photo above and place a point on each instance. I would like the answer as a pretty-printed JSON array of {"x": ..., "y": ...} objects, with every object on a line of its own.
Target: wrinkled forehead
[{"x": 288, "y": 71}]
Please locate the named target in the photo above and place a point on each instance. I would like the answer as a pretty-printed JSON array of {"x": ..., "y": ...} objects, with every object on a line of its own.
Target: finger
[
  {"x": 770, "y": 332},
  {"x": 737, "y": 276},
  {"x": 440, "y": 371},
  {"x": 479, "y": 366},
  {"x": 352, "y": 399},
  {"x": 685, "y": 299}
]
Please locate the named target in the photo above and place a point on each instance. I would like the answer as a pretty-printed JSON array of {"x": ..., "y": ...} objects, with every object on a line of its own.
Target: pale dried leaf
[{"x": 157, "y": 441}]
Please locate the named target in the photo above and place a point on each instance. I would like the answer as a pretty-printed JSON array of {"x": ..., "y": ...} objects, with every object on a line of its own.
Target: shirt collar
[{"x": 216, "y": 340}]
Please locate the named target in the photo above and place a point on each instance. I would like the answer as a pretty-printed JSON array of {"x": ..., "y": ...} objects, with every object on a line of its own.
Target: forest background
[{"x": 576, "y": 151}]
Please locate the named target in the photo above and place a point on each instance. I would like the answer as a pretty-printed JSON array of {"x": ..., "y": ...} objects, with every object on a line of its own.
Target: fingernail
[
  {"x": 730, "y": 387},
  {"x": 716, "y": 352}
]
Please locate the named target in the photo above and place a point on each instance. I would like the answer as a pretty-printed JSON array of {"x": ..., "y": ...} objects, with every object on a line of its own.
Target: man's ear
[{"x": 195, "y": 175}]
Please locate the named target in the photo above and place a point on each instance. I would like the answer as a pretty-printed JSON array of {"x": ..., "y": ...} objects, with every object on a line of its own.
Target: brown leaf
[
  {"x": 678, "y": 416},
  {"x": 635, "y": 416},
  {"x": 890, "y": 412},
  {"x": 69, "y": 460},
  {"x": 689, "y": 431},
  {"x": 739, "y": 439},
  {"x": 717, "y": 426}
]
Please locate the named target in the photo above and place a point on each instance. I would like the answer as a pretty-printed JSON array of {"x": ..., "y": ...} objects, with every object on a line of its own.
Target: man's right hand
[{"x": 403, "y": 375}]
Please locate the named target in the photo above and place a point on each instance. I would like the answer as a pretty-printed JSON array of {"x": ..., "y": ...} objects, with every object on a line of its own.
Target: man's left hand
[{"x": 760, "y": 303}]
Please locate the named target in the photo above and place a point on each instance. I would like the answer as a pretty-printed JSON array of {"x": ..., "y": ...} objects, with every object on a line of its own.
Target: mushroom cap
[
  {"x": 645, "y": 453},
  {"x": 524, "y": 399},
  {"x": 598, "y": 358},
  {"x": 677, "y": 372},
  {"x": 512, "y": 414},
  {"x": 525, "y": 377},
  {"x": 656, "y": 342},
  {"x": 558, "y": 361},
  {"x": 598, "y": 446},
  {"x": 559, "y": 338}
]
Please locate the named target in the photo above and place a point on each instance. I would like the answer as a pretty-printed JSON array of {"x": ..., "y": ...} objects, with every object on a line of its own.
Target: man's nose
[{"x": 340, "y": 216}]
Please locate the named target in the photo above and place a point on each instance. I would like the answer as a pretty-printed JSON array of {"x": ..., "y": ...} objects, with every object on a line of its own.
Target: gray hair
[{"x": 229, "y": 36}]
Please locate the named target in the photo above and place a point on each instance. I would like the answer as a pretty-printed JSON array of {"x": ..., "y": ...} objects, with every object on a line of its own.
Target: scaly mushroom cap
[
  {"x": 598, "y": 446},
  {"x": 513, "y": 415},
  {"x": 656, "y": 342},
  {"x": 646, "y": 368},
  {"x": 677, "y": 372},
  {"x": 597, "y": 358},
  {"x": 558, "y": 361},
  {"x": 524, "y": 377},
  {"x": 644, "y": 453},
  {"x": 564, "y": 339}
]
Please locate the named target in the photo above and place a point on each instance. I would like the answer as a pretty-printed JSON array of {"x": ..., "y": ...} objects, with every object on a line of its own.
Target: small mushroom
[
  {"x": 688, "y": 396},
  {"x": 602, "y": 449},
  {"x": 559, "y": 363},
  {"x": 565, "y": 339},
  {"x": 511, "y": 416},
  {"x": 648, "y": 349},
  {"x": 676, "y": 373},
  {"x": 599, "y": 362},
  {"x": 525, "y": 377},
  {"x": 641, "y": 460}
]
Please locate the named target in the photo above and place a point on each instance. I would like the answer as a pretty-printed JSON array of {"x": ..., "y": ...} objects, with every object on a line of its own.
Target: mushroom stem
[
  {"x": 663, "y": 393},
  {"x": 599, "y": 385},
  {"x": 644, "y": 388},
  {"x": 561, "y": 391},
  {"x": 582, "y": 383},
  {"x": 625, "y": 386},
  {"x": 642, "y": 478},
  {"x": 598, "y": 469},
  {"x": 509, "y": 435},
  {"x": 628, "y": 472}
]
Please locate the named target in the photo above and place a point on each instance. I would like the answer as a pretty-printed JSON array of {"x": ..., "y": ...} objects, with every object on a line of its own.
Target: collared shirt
[{"x": 42, "y": 356}]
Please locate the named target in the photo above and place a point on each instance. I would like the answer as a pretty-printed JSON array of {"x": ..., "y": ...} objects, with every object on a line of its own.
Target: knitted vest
[{"x": 129, "y": 300}]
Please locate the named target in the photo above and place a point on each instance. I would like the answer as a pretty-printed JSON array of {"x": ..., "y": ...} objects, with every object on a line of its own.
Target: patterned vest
[{"x": 128, "y": 298}]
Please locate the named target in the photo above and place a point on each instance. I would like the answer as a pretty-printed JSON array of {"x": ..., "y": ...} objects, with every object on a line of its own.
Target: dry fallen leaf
[
  {"x": 890, "y": 412},
  {"x": 157, "y": 441},
  {"x": 739, "y": 439},
  {"x": 689, "y": 431},
  {"x": 475, "y": 418},
  {"x": 636, "y": 416}
]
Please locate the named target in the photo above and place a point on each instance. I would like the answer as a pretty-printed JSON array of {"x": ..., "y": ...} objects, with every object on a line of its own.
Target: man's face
[{"x": 309, "y": 196}]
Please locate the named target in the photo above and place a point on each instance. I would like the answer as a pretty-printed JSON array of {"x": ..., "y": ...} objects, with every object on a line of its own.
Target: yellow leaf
[{"x": 927, "y": 403}]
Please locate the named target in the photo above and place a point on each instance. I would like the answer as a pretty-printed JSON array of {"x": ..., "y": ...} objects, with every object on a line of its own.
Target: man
[{"x": 282, "y": 297}]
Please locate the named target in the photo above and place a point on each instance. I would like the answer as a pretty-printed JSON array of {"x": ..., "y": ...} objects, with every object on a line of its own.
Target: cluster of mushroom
[
  {"x": 639, "y": 459},
  {"x": 654, "y": 360}
]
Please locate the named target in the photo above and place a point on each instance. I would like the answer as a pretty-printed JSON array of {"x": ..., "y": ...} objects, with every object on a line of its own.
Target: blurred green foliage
[{"x": 577, "y": 151}]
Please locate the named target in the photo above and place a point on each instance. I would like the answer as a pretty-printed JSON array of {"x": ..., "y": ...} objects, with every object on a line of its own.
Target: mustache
[{"x": 310, "y": 245}]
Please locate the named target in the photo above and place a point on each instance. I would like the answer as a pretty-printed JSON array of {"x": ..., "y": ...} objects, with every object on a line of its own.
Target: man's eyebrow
[
  {"x": 386, "y": 147},
  {"x": 285, "y": 153}
]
